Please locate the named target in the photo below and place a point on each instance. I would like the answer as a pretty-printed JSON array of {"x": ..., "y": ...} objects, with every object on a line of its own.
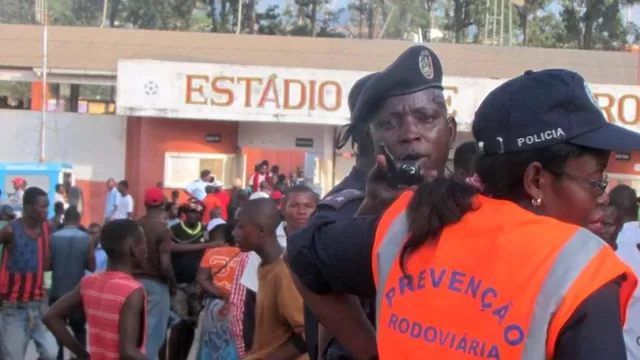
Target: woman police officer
[{"x": 459, "y": 275}]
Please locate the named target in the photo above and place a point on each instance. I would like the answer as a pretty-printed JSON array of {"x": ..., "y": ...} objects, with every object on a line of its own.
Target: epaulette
[{"x": 342, "y": 198}]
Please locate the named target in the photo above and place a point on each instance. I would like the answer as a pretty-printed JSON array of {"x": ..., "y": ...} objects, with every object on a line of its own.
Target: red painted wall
[
  {"x": 148, "y": 139},
  {"x": 95, "y": 197},
  {"x": 624, "y": 166}
]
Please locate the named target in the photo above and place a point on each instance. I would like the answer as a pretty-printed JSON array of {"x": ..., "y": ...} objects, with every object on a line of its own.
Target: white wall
[
  {"x": 282, "y": 135},
  {"x": 93, "y": 144}
]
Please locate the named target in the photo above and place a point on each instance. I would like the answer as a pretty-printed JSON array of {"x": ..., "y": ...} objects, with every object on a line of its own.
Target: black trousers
[{"x": 77, "y": 322}]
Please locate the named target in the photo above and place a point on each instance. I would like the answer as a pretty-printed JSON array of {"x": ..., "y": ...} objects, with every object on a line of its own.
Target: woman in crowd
[{"x": 217, "y": 270}]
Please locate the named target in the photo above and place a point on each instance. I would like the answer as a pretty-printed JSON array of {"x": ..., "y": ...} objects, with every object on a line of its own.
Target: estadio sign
[{"x": 297, "y": 95}]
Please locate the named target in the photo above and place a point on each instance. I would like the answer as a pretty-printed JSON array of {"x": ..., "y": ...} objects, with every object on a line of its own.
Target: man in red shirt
[
  {"x": 211, "y": 201},
  {"x": 224, "y": 197}
]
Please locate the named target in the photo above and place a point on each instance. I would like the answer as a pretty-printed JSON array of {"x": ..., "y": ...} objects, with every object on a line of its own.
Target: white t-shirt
[
  {"x": 250, "y": 276},
  {"x": 123, "y": 207},
  {"x": 259, "y": 195},
  {"x": 59, "y": 198},
  {"x": 197, "y": 189},
  {"x": 629, "y": 234},
  {"x": 628, "y": 238}
]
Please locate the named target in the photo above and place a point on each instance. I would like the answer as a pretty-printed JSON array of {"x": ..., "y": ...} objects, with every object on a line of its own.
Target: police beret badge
[{"x": 425, "y": 64}]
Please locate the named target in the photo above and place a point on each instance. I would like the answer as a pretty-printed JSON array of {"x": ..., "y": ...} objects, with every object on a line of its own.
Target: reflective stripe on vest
[{"x": 575, "y": 255}]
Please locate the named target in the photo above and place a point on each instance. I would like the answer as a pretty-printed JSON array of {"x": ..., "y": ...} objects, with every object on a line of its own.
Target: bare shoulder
[{"x": 155, "y": 230}]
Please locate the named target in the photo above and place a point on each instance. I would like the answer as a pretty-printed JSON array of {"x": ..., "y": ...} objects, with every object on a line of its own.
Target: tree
[
  {"x": 358, "y": 10},
  {"x": 401, "y": 18},
  {"x": 546, "y": 31},
  {"x": 529, "y": 12},
  {"x": 634, "y": 32},
  {"x": 152, "y": 14},
  {"x": 593, "y": 24},
  {"x": 17, "y": 12},
  {"x": 305, "y": 14},
  {"x": 464, "y": 14},
  {"x": 86, "y": 12},
  {"x": 270, "y": 21}
]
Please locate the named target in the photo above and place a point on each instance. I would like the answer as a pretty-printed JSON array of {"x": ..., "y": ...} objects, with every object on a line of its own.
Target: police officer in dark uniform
[
  {"x": 404, "y": 108},
  {"x": 344, "y": 199}
]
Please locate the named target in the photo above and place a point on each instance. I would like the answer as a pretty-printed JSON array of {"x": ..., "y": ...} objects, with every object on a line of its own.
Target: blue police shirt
[{"x": 342, "y": 202}]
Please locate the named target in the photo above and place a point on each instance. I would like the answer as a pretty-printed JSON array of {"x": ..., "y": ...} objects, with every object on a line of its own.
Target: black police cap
[
  {"x": 543, "y": 108},
  {"x": 416, "y": 69}
]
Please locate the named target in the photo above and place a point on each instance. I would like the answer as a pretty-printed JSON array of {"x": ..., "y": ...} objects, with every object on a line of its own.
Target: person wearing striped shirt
[
  {"x": 113, "y": 301},
  {"x": 25, "y": 259}
]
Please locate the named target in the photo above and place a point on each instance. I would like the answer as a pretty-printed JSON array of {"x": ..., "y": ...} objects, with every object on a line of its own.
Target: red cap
[
  {"x": 276, "y": 195},
  {"x": 18, "y": 181},
  {"x": 153, "y": 196}
]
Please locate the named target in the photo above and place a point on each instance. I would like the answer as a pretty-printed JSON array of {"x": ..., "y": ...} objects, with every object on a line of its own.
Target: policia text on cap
[{"x": 459, "y": 275}]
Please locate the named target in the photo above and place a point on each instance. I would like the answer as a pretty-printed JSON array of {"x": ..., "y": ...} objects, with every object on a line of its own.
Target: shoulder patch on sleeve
[{"x": 341, "y": 198}]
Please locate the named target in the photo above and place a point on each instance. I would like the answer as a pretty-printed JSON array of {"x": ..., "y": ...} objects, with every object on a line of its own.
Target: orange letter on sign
[
  {"x": 215, "y": 86},
  {"x": 634, "y": 103},
  {"x": 607, "y": 109},
  {"x": 287, "y": 94},
  {"x": 197, "y": 89},
  {"x": 312, "y": 95},
  {"x": 247, "y": 88},
  {"x": 270, "y": 88},
  {"x": 337, "y": 93}
]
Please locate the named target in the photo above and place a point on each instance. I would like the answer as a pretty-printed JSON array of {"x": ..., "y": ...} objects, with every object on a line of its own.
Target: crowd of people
[
  {"x": 518, "y": 252},
  {"x": 160, "y": 278}
]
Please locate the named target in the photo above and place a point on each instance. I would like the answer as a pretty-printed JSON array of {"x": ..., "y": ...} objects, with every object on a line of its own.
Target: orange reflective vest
[{"x": 499, "y": 284}]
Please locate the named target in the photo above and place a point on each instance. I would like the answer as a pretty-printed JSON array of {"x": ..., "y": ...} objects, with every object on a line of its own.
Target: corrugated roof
[{"x": 85, "y": 48}]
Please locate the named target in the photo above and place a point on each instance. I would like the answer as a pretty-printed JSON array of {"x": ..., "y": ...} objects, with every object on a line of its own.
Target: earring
[{"x": 536, "y": 202}]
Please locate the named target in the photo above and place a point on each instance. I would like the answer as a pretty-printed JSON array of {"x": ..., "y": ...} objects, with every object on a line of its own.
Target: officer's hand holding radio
[{"x": 389, "y": 178}]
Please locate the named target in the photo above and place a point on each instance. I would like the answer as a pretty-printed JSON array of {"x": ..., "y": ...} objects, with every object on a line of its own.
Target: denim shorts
[
  {"x": 158, "y": 308},
  {"x": 20, "y": 323}
]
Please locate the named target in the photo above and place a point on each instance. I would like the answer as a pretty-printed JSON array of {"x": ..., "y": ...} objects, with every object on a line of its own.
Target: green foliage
[
  {"x": 546, "y": 31},
  {"x": 593, "y": 24},
  {"x": 17, "y": 11},
  {"x": 460, "y": 16},
  {"x": 587, "y": 24},
  {"x": 271, "y": 22}
]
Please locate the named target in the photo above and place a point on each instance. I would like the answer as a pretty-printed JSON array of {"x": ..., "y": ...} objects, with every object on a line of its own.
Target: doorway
[{"x": 289, "y": 162}]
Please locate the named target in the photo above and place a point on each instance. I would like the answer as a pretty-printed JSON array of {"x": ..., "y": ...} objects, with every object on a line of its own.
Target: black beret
[{"x": 416, "y": 69}]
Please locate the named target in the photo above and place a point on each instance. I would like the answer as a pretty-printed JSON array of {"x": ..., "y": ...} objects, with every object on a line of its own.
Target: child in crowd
[
  {"x": 113, "y": 301},
  {"x": 279, "y": 311},
  {"x": 297, "y": 206}
]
